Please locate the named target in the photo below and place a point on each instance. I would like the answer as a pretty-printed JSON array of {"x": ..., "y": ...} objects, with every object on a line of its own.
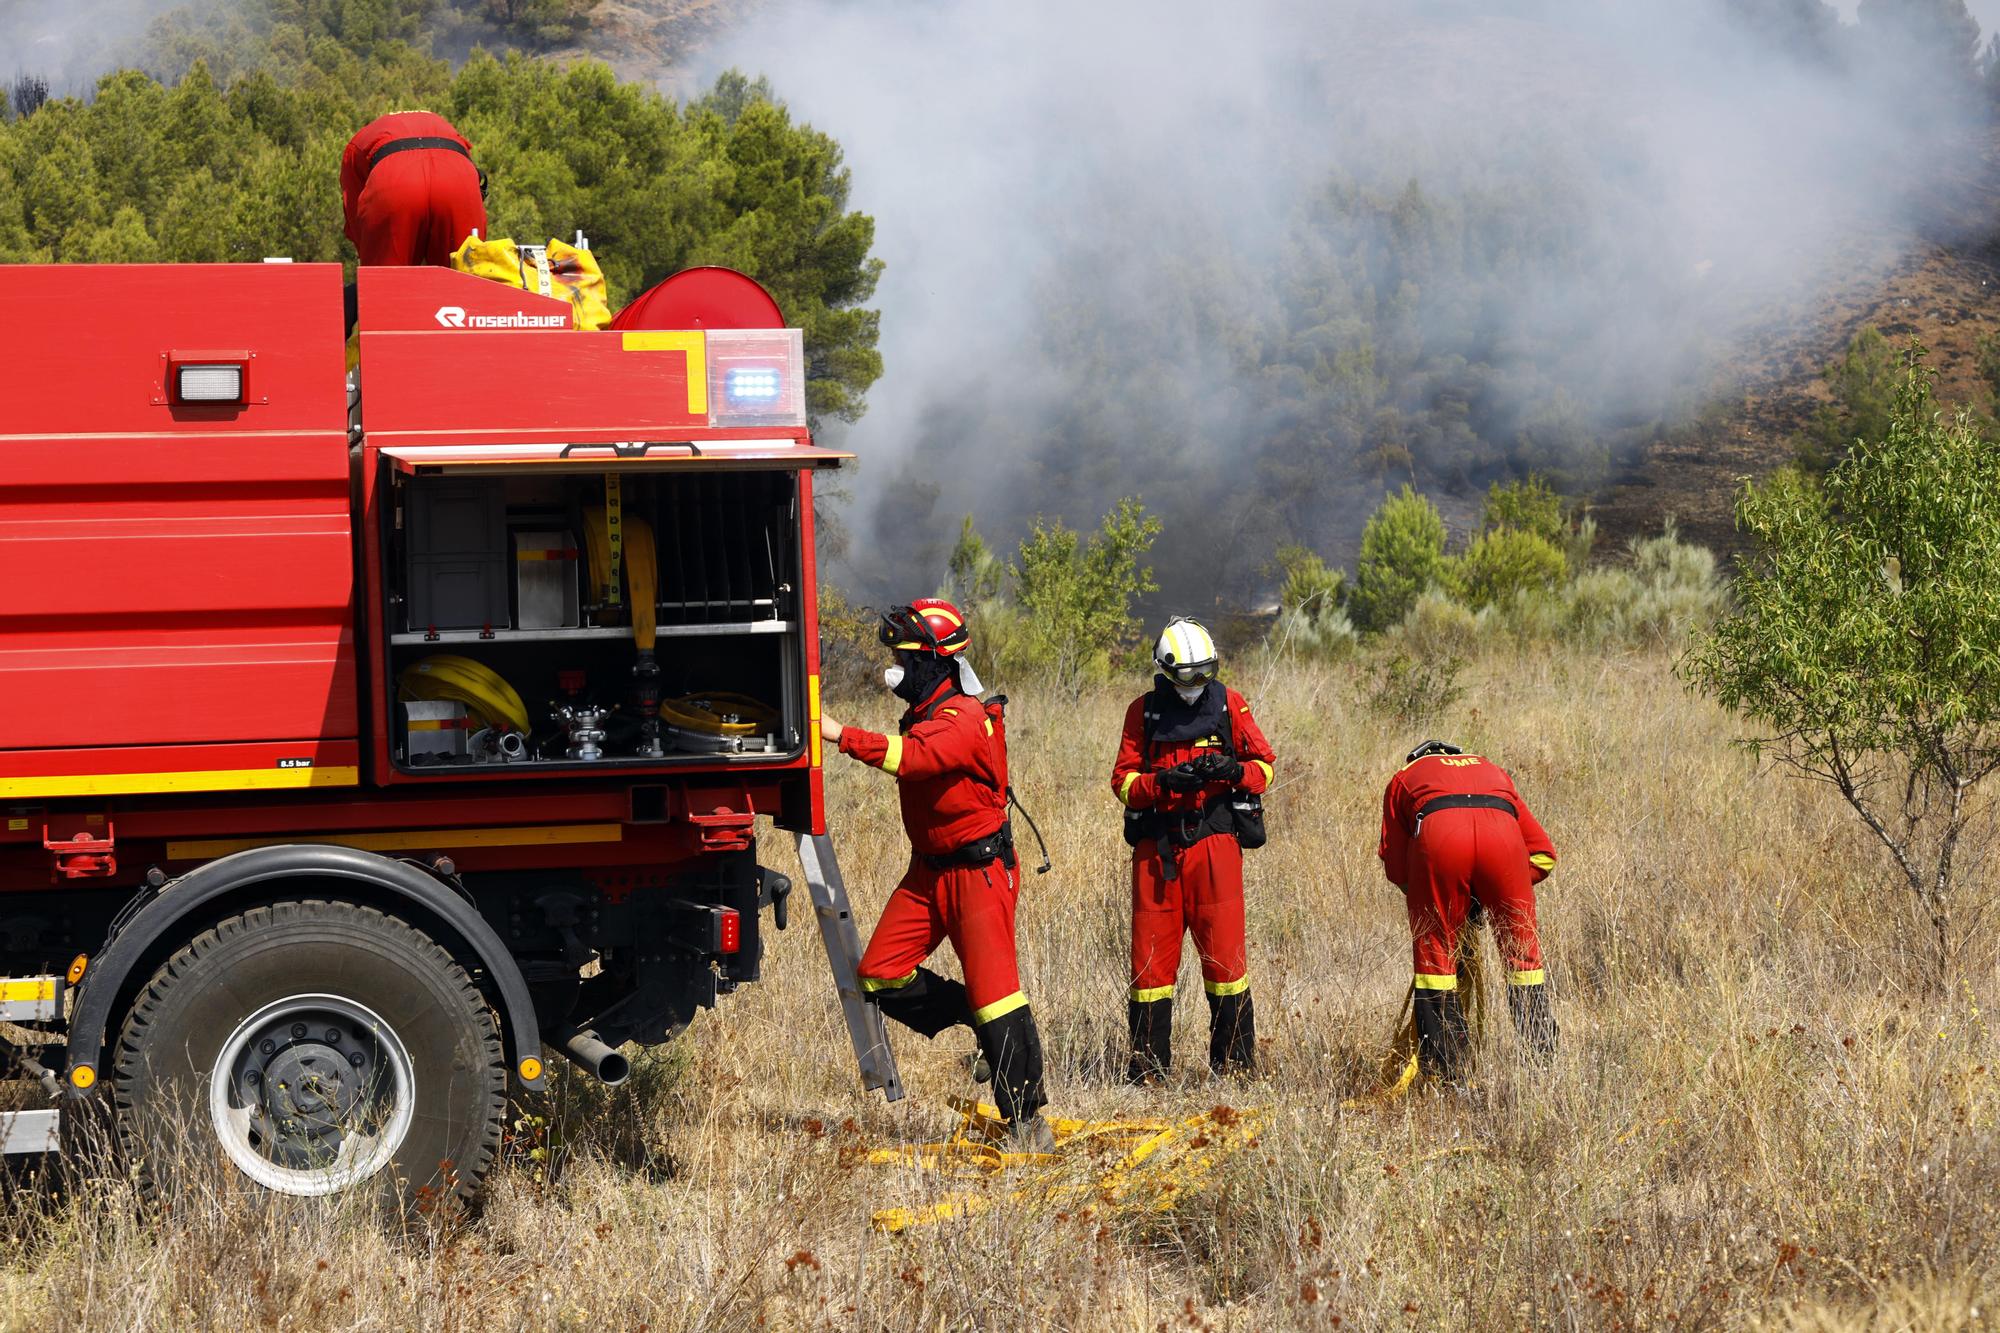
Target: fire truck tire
[{"x": 313, "y": 1048}]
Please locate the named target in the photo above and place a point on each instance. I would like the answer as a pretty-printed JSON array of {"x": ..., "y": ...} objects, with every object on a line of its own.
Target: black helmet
[{"x": 1429, "y": 748}]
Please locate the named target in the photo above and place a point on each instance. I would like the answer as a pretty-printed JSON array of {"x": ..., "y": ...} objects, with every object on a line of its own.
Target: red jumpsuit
[
  {"x": 415, "y": 204},
  {"x": 1203, "y": 894},
  {"x": 950, "y": 765},
  {"x": 1452, "y": 855}
]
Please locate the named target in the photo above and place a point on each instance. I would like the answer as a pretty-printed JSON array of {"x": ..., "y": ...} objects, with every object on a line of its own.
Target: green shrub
[
  {"x": 1415, "y": 688},
  {"x": 1525, "y": 506},
  {"x": 1075, "y": 596},
  {"x": 1863, "y": 384},
  {"x": 1505, "y": 561},
  {"x": 1671, "y": 589},
  {"x": 1310, "y": 616},
  {"x": 1402, "y": 557}
]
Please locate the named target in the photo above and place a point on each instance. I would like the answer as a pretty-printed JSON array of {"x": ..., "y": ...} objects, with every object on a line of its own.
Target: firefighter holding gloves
[
  {"x": 949, "y": 759},
  {"x": 1191, "y": 770},
  {"x": 1454, "y": 830},
  {"x": 410, "y": 191}
]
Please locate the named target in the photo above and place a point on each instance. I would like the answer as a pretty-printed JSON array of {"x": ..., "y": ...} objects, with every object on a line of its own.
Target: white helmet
[{"x": 1185, "y": 652}]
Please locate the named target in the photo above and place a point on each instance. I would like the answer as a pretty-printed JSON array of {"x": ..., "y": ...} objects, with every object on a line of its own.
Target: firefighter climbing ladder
[{"x": 843, "y": 955}]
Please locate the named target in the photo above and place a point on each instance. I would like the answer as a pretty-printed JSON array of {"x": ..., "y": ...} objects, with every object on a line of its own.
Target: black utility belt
[
  {"x": 995, "y": 846},
  {"x": 1238, "y": 813},
  {"x": 412, "y": 145},
  {"x": 1438, "y": 803}
]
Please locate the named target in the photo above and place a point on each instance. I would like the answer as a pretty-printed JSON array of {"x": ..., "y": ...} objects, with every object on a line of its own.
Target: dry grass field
[{"x": 1759, "y": 1116}]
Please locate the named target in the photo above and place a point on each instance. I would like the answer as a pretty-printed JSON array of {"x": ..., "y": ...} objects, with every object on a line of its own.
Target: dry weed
[{"x": 1756, "y": 1119}]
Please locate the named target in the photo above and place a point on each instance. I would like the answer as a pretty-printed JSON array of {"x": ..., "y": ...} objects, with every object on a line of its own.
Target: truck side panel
[{"x": 178, "y": 576}]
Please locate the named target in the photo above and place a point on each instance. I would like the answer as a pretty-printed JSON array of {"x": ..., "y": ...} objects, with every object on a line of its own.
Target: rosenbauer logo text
[{"x": 454, "y": 317}]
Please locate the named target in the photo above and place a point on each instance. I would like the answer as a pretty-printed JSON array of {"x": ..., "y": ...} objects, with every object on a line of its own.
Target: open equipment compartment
[{"x": 511, "y": 646}]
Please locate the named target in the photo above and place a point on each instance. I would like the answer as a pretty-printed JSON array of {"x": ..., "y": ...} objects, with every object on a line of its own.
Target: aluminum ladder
[{"x": 843, "y": 956}]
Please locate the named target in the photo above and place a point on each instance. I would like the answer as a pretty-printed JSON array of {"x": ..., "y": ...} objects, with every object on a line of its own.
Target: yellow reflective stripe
[
  {"x": 986, "y": 1013},
  {"x": 1425, "y": 981},
  {"x": 872, "y": 984},
  {"x": 30, "y": 991},
  {"x": 941, "y": 611},
  {"x": 533, "y": 835},
  {"x": 221, "y": 779},
  {"x": 812, "y": 717},
  {"x": 892, "y": 761},
  {"x": 1148, "y": 994},
  {"x": 1533, "y": 978},
  {"x": 1270, "y": 775},
  {"x": 1125, "y": 788},
  {"x": 1236, "y": 987},
  {"x": 989, "y": 726},
  {"x": 1542, "y": 861},
  {"x": 693, "y": 343}
]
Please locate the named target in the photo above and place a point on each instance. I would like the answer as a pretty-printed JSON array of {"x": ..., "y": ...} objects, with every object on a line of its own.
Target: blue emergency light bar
[{"x": 749, "y": 385}]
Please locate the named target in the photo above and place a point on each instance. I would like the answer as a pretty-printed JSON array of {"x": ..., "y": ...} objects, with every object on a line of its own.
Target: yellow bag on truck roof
[{"x": 557, "y": 269}]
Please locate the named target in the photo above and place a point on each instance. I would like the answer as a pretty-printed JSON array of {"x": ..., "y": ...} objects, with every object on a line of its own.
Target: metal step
[
  {"x": 28, "y": 1131},
  {"x": 843, "y": 955}
]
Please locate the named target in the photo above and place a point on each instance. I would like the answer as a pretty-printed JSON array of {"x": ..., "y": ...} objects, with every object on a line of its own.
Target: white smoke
[{"x": 1081, "y": 202}]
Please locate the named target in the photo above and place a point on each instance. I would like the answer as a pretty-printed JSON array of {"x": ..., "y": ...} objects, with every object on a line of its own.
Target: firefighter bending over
[
  {"x": 1454, "y": 830},
  {"x": 1191, "y": 770},
  {"x": 410, "y": 190},
  {"x": 949, "y": 759}
]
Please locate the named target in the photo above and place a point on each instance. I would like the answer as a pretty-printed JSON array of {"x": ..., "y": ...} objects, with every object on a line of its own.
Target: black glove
[
  {"x": 1218, "y": 767},
  {"x": 1181, "y": 777}
]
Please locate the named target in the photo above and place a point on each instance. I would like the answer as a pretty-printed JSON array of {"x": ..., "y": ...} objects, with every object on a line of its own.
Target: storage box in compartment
[
  {"x": 455, "y": 541},
  {"x": 545, "y": 595}
]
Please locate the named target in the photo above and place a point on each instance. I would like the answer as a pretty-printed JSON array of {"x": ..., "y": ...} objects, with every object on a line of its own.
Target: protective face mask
[
  {"x": 892, "y": 677},
  {"x": 1189, "y": 693}
]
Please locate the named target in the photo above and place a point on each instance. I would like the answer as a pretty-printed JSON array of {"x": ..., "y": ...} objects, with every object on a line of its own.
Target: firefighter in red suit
[
  {"x": 410, "y": 190},
  {"x": 1191, "y": 770},
  {"x": 1455, "y": 831},
  {"x": 949, "y": 759}
]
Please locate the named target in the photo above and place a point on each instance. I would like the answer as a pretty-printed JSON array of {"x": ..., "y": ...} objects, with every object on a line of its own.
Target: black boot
[
  {"x": 927, "y": 1003},
  {"x": 1152, "y": 1023},
  {"x": 1232, "y": 1034},
  {"x": 1442, "y": 1040},
  {"x": 1014, "y": 1049},
  {"x": 1532, "y": 1019}
]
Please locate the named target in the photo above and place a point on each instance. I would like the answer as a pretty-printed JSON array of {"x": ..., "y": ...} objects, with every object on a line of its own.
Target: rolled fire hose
[{"x": 446, "y": 676}]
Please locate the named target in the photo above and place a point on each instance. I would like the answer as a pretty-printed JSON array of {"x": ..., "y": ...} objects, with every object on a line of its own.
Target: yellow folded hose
[
  {"x": 489, "y": 699},
  {"x": 641, "y": 569},
  {"x": 642, "y": 574}
]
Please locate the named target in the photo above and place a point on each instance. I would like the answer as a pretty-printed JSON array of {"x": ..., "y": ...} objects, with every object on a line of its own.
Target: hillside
[{"x": 1942, "y": 289}]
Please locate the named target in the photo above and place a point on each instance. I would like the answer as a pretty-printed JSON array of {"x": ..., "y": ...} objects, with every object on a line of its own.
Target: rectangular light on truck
[
  {"x": 209, "y": 383},
  {"x": 756, "y": 377}
]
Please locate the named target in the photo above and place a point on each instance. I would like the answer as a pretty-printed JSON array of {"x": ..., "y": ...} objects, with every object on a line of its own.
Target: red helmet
[{"x": 927, "y": 625}]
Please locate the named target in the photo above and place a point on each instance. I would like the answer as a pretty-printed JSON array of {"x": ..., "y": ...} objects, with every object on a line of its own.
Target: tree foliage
[
  {"x": 238, "y": 158},
  {"x": 1867, "y": 643},
  {"x": 1863, "y": 384},
  {"x": 1075, "y": 594},
  {"x": 1502, "y": 562},
  {"x": 1402, "y": 557}
]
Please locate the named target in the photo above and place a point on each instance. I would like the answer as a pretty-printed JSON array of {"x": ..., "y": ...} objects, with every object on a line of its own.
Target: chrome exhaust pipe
[{"x": 593, "y": 1057}]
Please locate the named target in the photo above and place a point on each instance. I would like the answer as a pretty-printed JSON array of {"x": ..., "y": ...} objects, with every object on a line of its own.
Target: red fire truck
[{"x": 365, "y": 734}]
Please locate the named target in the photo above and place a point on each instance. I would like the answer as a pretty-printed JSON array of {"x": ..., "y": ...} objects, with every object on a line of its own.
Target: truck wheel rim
[{"x": 312, "y": 1094}]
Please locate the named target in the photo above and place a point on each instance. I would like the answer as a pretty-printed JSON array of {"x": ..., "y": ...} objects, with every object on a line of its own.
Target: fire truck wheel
[{"x": 321, "y": 1047}]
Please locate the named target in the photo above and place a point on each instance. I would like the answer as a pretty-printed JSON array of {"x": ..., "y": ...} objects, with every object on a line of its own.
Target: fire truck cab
[{"x": 364, "y": 735}]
